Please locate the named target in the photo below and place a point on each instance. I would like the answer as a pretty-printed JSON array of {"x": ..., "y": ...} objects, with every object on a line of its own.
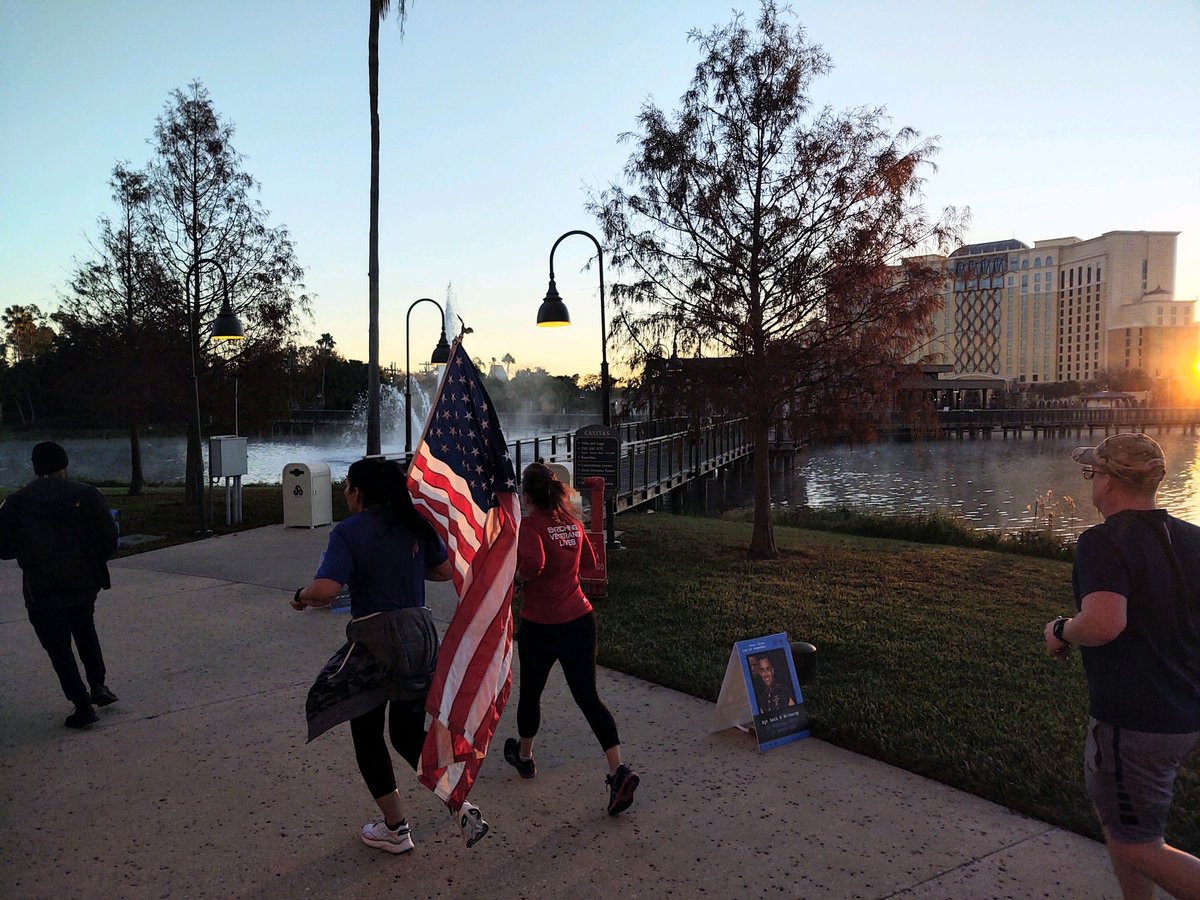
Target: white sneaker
[
  {"x": 379, "y": 836},
  {"x": 470, "y": 821}
]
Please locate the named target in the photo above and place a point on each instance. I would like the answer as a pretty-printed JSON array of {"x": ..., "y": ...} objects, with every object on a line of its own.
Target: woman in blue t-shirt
[{"x": 384, "y": 552}]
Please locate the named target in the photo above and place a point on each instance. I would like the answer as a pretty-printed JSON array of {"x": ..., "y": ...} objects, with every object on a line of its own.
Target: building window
[{"x": 1025, "y": 263}]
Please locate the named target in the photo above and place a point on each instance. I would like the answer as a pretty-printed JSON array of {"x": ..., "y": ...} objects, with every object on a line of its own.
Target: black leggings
[
  {"x": 574, "y": 645},
  {"x": 55, "y": 628},
  {"x": 406, "y": 727}
]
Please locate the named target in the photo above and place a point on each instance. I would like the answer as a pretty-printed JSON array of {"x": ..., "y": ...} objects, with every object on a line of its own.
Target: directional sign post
[{"x": 597, "y": 454}]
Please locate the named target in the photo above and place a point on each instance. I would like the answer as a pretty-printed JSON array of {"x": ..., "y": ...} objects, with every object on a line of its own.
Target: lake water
[
  {"x": 989, "y": 483},
  {"x": 994, "y": 484}
]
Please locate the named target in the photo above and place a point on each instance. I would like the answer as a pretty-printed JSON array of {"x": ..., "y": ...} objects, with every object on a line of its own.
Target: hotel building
[{"x": 1066, "y": 309}]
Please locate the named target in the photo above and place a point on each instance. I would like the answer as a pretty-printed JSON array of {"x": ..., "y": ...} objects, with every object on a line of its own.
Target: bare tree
[
  {"x": 775, "y": 233},
  {"x": 211, "y": 235},
  {"x": 112, "y": 299}
]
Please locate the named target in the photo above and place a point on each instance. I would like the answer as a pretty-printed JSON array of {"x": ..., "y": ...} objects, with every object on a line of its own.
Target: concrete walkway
[{"x": 198, "y": 783}]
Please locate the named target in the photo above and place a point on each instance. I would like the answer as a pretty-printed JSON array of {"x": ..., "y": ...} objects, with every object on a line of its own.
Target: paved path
[{"x": 198, "y": 783}]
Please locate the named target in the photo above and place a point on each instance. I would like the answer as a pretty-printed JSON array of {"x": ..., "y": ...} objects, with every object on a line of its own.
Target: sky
[{"x": 498, "y": 119}]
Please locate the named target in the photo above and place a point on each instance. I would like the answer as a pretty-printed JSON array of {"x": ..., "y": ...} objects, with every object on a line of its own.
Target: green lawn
[{"x": 930, "y": 657}]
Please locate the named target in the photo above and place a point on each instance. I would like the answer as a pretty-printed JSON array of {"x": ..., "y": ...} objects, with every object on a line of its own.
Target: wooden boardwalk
[
  {"x": 652, "y": 466},
  {"x": 658, "y": 457},
  {"x": 985, "y": 423}
]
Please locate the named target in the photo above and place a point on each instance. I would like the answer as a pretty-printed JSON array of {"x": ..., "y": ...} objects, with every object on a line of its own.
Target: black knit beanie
[{"x": 48, "y": 457}]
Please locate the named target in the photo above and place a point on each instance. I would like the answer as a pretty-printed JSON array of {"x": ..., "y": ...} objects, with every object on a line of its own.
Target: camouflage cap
[{"x": 1132, "y": 457}]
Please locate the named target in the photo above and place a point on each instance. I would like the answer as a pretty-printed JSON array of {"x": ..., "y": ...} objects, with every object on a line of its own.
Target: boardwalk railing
[
  {"x": 654, "y": 459},
  {"x": 1070, "y": 418},
  {"x": 983, "y": 422}
]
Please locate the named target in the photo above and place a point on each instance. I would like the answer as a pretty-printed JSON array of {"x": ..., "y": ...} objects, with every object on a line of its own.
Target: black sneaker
[
  {"x": 512, "y": 755},
  {"x": 102, "y": 696},
  {"x": 621, "y": 785},
  {"x": 82, "y": 717}
]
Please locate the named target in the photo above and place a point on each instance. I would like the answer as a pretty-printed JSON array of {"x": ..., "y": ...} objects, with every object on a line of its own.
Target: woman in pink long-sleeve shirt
[{"x": 558, "y": 625}]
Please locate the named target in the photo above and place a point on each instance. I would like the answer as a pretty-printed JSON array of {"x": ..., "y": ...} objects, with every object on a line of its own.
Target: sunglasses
[{"x": 1090, "y": 472}]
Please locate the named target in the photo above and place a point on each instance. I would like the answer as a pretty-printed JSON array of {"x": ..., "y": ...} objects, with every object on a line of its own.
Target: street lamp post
[
  {"x": 226, "y": 327},
  {"x": 553, "y": 313},
  {"x": 441, "y": 355}
]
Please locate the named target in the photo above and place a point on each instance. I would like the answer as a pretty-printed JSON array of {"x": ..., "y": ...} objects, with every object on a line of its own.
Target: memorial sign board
[{"x": 597, "y": 454}]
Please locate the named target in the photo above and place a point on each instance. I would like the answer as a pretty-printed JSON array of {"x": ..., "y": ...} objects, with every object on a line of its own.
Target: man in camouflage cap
[{"x": 1137, "y": 592}]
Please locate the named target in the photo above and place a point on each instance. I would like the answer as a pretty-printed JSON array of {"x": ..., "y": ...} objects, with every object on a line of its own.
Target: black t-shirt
[{"x": 1148, "y": 677}]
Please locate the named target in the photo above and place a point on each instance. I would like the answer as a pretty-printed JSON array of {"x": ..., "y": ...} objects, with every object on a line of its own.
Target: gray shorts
[{"x": 1130, "y": 777}]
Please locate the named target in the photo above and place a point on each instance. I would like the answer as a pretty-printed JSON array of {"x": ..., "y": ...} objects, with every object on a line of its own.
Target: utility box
[
  {"x": 226, "y": 456},
  {"x": 307, "y": 495}
]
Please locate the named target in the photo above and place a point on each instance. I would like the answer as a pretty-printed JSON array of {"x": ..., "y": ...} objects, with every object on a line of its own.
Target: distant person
[
  {"x": 61, "y": 534},
  {"x": 558, "y": 625},
  {"x": 777, "y": 694},
  {"x": 1137, "y": 589},
  {"x": 385, "y": 551}
]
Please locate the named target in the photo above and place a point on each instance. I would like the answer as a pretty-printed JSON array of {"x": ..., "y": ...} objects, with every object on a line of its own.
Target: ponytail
[{"x": 546, "y": 492}]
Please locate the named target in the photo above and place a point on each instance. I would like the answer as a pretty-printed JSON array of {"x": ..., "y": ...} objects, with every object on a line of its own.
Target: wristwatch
[{"x": 1059, "y": 624}]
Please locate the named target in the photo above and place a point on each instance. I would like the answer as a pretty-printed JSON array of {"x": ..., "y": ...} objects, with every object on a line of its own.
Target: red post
[{"x": 595, "y": 581}]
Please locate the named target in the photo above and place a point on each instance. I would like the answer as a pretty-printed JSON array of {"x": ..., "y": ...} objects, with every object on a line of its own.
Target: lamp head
[
  {"x": 441, "y": 353},
  {"x": 227, "y": 326},
  {"x": 553, "y": 312}
]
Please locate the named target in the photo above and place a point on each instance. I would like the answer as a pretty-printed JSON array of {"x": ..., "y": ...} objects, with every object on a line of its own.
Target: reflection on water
[{"x": 989, "y": 483}]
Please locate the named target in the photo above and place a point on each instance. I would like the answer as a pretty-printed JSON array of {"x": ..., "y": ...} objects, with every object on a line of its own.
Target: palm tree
[
  {"x": 508, "y": 363},
  {"x": 325, "y": 345},
  {"x": 379, "y": 11}
]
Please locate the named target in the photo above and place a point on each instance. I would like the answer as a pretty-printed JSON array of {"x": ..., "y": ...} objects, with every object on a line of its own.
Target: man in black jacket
[{"x": 61, "y": 533}]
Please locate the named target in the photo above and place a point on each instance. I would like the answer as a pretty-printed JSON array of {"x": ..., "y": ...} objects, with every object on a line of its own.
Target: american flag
[{"x": 462, "y": 480}]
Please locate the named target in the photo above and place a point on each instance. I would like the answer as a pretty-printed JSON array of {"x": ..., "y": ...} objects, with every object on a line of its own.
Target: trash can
[{"x": 307, "y": 495}]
